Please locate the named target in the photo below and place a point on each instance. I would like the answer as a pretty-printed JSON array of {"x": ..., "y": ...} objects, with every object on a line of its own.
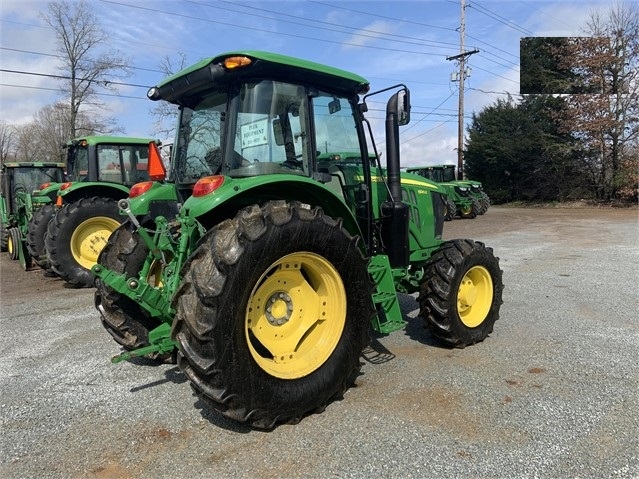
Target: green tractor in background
[
  {"x": 25, "y": 188},
  {"x": 279, "y": 240},
  {"x": 460, "y": 190},
  {"x": 67, "y": 236}
]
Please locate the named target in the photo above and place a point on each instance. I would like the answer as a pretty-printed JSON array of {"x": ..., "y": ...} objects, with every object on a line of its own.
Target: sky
[{"x": 387, "y": 42}]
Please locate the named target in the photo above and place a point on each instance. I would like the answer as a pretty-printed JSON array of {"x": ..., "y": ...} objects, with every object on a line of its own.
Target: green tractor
[
  {"x": 26, "y": 187},
  {"x": 445, "y": 174},
  {"x": 66, "y": 237},
  {"x": 290, "y": 241}
]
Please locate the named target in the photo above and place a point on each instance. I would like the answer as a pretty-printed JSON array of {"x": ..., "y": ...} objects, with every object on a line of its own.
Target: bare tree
[
  {"x": 26, "y": 144},
  {"x": 50, "y": 123},
  {"x": 165, "y": 113},
  {"x": 6, "y": 141},
  {"x": 86, "y": 63},
  {"x": 608, "y": 120}
]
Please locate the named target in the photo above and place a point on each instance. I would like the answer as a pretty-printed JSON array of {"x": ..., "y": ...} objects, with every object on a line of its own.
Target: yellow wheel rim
[
  {"x": 90, "y": 237},
  {"x": 475, "y": 296},
  {"x": 295, "y": 315},
  {"x": 154, "y": 275},
  {"x": 10, "y": 246}
]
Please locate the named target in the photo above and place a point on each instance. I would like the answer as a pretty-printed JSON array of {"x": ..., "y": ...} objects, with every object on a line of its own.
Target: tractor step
[{"x": 389, "y": 315}]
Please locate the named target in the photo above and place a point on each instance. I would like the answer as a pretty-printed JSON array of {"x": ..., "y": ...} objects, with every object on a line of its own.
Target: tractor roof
[
  {"x": 34, "y": 164},
  {"x": 199, "y": 77},
  {"x": 111, "y": 140}
]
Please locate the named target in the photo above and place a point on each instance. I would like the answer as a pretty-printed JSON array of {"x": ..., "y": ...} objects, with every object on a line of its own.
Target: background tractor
[
  {"x": 445, "y": 174},
  {"x": 25, "y": 187},
  {"x": 66, "y": 237},
  {"x": 292, "y": 243}
]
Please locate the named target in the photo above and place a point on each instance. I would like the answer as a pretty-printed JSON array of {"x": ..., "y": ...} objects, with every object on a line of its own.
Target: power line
[
  {"x": 383, "y": 16},
  {"x": 253, "y": 29},
  {"x": 314, "y": 22},
  {"x": 425, "y": 25},
  {"x": 489, "y": 13},
  {"x": 57, "y": 90},
  {"x": 62, "y": 57},
  {"x": 62, "y": 77}
]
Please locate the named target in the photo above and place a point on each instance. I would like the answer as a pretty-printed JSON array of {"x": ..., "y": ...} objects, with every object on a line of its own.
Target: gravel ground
[{"x": 552, "y": 393}]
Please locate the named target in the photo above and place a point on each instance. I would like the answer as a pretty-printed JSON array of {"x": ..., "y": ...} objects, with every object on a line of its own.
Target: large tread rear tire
[
  {"x": 450, "y": 210},
  {"x": 124, "y": 319},
  {"x": 228, "y": 345},
  {"x": 461, "y": 293},
  {"x": 4, "y": 237},
  {"x": 36, "y": 233},
  {"x": 77, "y": 234}
]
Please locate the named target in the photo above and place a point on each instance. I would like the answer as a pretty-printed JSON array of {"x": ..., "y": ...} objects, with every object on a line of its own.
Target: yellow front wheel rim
[
  {"x": 475, "y": 296},
  {"x": 10, "y": 246},
  {"x": 90, "y": 237},
  {"x": 295, "y": 315}
]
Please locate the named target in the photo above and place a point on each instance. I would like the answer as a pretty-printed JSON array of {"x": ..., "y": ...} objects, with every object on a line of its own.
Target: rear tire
[
  {"x": 77, "y": 234},
  {"x": 124, "y": 319},
  {"x": 450, "y": 210},
  {"x": 461, "y": 293},
  {"x": 273, "y": 313},
  {"x": 13, "y": 243},
  {"x": 4, "y": 237},
  {"x": 37, "y": 231}
]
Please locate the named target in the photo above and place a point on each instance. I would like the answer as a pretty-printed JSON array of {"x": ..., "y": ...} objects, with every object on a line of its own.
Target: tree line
[{"x": 574, "y": 133}]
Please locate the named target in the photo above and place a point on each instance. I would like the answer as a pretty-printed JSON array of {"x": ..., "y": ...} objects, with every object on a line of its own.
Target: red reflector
[
  {"x": 139, "y": 188},
  {"x": 44, "y": 185},
  {"x": 64, "y": 186},
  {"x": 207, "y": 185}
]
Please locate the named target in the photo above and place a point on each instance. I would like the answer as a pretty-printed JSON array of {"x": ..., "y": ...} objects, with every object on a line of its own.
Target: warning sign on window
[{"x": 254, "y": 134}]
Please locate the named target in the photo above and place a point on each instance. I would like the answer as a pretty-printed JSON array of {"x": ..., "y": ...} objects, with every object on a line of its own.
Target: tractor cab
[
  {"x": 108, "y": 159},
  {"x": 27, "y": 177}
]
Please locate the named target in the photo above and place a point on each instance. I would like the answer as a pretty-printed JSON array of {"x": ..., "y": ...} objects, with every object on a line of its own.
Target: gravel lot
[{"x": 552, "y": 393}]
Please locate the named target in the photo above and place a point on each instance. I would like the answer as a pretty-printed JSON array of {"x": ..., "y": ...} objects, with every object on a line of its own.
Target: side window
[
  {"x": 109, "y": 164},
  {"x": 338, "y": 146},
  {"x": 135, "y": 160},
  {"x": 200, "y": 140},
  {"x": 271, "y": 128},
  {"x": 81, "y": 163},
  {"x": 335, "y": 132}
]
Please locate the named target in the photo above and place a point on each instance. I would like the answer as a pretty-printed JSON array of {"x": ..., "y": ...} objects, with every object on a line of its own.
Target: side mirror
[
  {"x": 403, "y": 107},
  {"x": 334, "y": 106},
  {"x": 278, "y": 134}
]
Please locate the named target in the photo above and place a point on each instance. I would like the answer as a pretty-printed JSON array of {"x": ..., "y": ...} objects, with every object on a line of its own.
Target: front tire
[
  {"x": 124, "y": 319},
  {"x": 77, "y": 234},
  {"x": 468, "y": 211},
  {"x": 461, "y": 293},
  {"x": 273, "y": 313},
  {"x": 13, "y": 243}
]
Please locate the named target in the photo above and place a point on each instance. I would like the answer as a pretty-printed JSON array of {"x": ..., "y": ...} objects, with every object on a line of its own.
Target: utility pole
[{"x": 460, "y": 77}]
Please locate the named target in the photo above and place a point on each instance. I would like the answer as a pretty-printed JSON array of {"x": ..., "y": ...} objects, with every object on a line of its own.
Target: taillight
[
  {"x": 44, "y": 185},
  {"x": 139, "y": 188},
  {"x": 207, "y": 185},
  {"x": 64, "y": 186}
]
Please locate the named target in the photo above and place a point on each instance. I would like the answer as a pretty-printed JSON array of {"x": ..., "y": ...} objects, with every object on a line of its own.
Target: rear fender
[
  {"x": 77, "y": 191},
  {"x": 236, "y": 193}
]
